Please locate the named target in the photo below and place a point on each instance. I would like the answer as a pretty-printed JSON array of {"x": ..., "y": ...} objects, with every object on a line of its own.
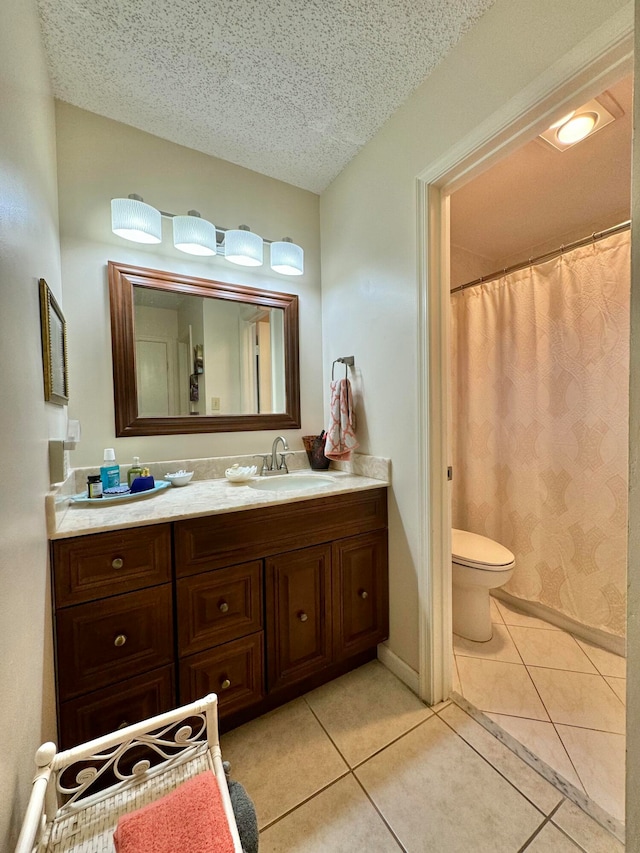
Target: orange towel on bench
[{"x": 191, "y": 818}]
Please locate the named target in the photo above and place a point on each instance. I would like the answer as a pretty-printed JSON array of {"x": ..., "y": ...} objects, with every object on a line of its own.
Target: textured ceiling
[{"x": 289, "y": 88}]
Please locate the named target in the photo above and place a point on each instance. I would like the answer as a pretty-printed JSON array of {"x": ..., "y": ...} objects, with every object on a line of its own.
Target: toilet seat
[{"x": 479, "y": 552}]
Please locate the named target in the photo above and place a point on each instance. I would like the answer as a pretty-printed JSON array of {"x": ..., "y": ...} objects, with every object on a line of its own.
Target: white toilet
[{"x": 478, "y": 564}]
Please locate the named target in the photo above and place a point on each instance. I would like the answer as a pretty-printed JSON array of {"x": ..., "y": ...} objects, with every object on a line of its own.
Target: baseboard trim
[
  {"x": 616, "y": 645},
  {"x": 399, "y": 668}
]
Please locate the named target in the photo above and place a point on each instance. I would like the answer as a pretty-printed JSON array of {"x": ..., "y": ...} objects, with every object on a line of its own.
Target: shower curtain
[{"x": 540, "y": 406}]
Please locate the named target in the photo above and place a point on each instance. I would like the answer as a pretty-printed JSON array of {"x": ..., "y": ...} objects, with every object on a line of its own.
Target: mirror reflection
[
  {"x": 206, "y": 356},
  {"x": 193, "y": 355}
]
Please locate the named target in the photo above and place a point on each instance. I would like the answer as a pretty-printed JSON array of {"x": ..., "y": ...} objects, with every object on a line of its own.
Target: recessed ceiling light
[
  {"x": 576, "y": 128},
  {"x": 562, "y": 120},
  {"x": 578, "y": 124}
]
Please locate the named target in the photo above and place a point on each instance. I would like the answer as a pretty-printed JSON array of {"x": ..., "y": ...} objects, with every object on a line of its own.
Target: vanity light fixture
[
  {"x": 582, "y": 122},
  {"x": 134, "y": 220},
  {"x": 194, "y": 235},
  {"x": 286, "y": 257},
  {"x": 243, "y": 247}
]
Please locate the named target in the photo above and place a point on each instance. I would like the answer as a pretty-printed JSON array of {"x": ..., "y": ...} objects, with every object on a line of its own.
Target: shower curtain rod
[{"x": 547, "y": 256}]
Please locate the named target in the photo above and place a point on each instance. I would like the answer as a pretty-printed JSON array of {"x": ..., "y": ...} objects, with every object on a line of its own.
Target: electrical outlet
[{"x": 215, "y": 404}]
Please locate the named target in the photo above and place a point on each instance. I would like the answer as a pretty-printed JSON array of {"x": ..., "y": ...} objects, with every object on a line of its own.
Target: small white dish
[
  {"x": 240, "y": 474},
  {"x": 179, "y": 478}
]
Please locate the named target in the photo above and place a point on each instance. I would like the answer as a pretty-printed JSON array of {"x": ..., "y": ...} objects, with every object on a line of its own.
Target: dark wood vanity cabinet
[
  {"x": 115, "y": 661},
  {"x": 220, "y": 616},
  {"x": 299, "y": 614},
  {"x": 256, "y": 606},
  {"x": 360, "y": 593}
]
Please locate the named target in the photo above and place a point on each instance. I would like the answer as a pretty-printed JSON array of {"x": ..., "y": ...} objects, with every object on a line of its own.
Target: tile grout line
[
  {"x": 353, "y": 769},
  {"x": 382, "y": 817},
  {"x": 566, "y": 751},
  {"x": 377, "y": 751},
  {"x": 545, "y": 707},
  {"x": 575, "y": 725},
  {"x": 535, "y": 686},
  {"x": 583, "y": 793},
  {"x": 305, "y": 801},
  {"x": 497, "y": 770},
  {"x": 544, "y": 823},
  {"x": 515, "y": 644}
]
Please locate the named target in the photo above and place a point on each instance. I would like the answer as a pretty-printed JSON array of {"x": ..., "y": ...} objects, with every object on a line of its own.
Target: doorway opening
[{"x": 520, "y": 122}]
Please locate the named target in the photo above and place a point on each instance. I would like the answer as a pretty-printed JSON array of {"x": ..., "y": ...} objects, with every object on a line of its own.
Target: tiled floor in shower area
[
  {"x": 561, "y": 697},
  {"x": 361, "y": 764}
]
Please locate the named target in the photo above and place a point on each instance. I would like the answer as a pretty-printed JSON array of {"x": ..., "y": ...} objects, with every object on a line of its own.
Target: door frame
[{"x": 592, "y": 65}]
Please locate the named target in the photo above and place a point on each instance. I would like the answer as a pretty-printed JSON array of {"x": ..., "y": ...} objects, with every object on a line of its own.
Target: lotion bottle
[
  {"x": 109, "y": 472},
  {"x": 134, "y": 471}
]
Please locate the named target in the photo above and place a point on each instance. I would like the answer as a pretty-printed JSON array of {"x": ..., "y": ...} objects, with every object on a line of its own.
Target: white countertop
[{"x": 200, "y": 498}]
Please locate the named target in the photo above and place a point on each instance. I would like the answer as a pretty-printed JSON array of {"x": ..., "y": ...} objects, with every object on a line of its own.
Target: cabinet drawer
[
  {"x": 219, "y": 606},
  {"x": 360, "y": 590},
  {"x": 102, "y": 642},
  {"x": 222, "y": 540},
  {"x": 106, "y": 710},
  {"x": 91, "y": 567},
  {"x": 298, "y": 614},
  {"x": 234, "y": 671}
]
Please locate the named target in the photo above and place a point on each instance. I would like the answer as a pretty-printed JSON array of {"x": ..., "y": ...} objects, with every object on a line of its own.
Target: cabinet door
[
  {"x": 109, "y": 709},
  {"x": 298, "y": 614},
  {"x": 218, "y": 606},
  {"x": 360, "y": 593},
  {"x": 233, "y": 670},
  {"x": 87, "y": 568},
  {"x": 103, "y": 642}
]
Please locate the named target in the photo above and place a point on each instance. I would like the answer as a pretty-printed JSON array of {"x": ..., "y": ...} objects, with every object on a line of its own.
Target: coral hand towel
[
  {"x": 190, "y": 819},
  {"x": 341, "y": 432}
]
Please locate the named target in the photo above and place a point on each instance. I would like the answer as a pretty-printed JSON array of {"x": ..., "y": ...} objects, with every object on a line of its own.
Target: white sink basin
[{"x": 290, "y": 483}]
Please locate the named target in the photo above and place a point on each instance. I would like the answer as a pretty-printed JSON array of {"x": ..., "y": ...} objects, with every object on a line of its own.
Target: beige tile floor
[
  {"x": 557, "y": 695},
  {"x": 361, "y": 764}
]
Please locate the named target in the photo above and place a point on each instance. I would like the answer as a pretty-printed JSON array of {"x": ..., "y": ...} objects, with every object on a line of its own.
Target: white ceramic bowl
[
  {"x": 179, "y": 478},
  {"x": 239, "y": 474}
]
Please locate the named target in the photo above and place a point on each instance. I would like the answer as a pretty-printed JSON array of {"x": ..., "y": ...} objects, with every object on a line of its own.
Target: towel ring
[
  {"x": 347, "y": 360},
  {"x": 333, "y": 367}
]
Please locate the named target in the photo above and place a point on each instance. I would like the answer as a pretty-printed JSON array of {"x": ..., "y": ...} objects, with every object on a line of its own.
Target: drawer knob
[
  {"x": 117, "y": 563},
  {"x": 302, "y": 616},
  {"x": 225, "y": 685},
  {"x": 120, "y": 640},
  {"x": 363, "y": 593},
  {"x": 223, "y": 607}
]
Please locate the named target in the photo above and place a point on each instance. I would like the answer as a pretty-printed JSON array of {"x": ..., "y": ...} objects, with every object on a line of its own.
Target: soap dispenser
[
  {"x": 109, "y": 472},
  {"x": 134, "y": 471}
]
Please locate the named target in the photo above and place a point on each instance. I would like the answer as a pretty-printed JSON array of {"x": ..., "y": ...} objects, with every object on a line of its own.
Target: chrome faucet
[
  {"x": 270, "y": 462},
  {"x": 274, "y": 454}
]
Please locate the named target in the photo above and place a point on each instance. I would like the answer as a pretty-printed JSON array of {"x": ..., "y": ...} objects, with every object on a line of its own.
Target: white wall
[
  {"x": 99, "y": 159},
  {"x": 368, "y": 226},
  {"x": 222, "y": 355},
  {"x": 28, "y": 251}
]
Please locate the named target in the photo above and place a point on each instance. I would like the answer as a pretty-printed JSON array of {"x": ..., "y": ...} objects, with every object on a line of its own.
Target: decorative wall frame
[{"x": 54, "y": 348}]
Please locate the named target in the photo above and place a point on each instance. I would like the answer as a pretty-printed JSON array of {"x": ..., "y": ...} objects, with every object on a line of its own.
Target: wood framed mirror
[{"x": 193, "y": 355}]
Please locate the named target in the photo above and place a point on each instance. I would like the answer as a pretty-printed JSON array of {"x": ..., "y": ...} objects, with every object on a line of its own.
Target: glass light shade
[
  {"x": 287, "y": 258},
  {"x": 576, "y": 128},
  {"x": 135, "y": 220},
  {"x": 243, "y": 247},
  {"x": 194, "y": 235}
]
